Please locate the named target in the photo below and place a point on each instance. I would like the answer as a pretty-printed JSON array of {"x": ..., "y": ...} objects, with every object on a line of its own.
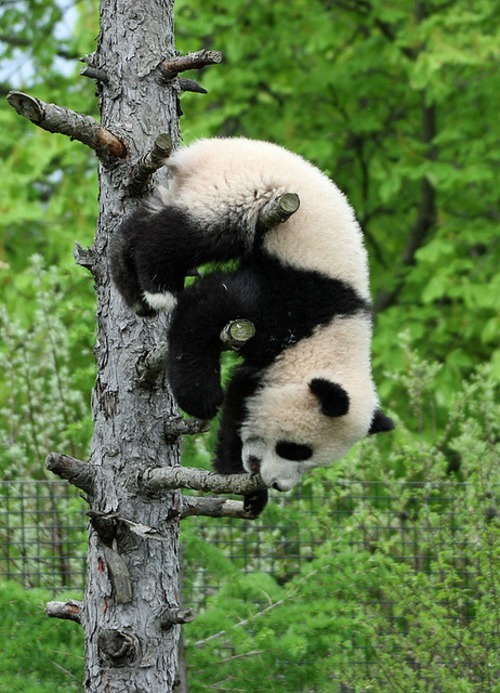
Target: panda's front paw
[
  {"x": 254, "y": 503},
  {"x": 160, "y": 302}
]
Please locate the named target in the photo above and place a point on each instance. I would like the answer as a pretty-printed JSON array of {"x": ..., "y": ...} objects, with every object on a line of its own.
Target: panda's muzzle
[{"x": 254, "y": 465}]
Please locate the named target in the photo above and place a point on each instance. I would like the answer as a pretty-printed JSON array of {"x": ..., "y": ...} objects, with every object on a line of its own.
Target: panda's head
[{"x": 293, "y": 428}]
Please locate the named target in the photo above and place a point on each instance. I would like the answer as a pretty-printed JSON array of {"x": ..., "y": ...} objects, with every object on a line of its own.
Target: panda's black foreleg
[
  {"x": 195, "y": 346},
  {"x": 228, "y": 460},
  {"x": 146, "y": 265},
  {"x": 152, "y": 251}
]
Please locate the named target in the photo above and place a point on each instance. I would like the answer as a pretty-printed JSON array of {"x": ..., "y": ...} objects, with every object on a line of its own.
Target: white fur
[
  {"x": 234, "y": 178},
  {"x": 285, "y": 408},
  {"x": 165, "y": 301}
]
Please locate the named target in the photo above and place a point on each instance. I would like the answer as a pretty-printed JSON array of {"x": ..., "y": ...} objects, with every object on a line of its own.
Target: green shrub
[
  {"x": 38, "y": 654},
  {"x": 380, "y": 576}
]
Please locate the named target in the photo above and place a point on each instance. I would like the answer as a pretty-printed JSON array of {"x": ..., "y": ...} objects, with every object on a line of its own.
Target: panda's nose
[
  {"x": 282, "y": 486},
  {"x": 254, "y": 463}
]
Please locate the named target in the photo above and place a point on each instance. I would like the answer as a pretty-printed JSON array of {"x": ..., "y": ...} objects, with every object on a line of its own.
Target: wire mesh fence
[
  {"x": 42, "y": 534},
  {"x": 432, "y": 530},
  {"x": 43, "y": 531},
  {"x": 414, "y": 522}
]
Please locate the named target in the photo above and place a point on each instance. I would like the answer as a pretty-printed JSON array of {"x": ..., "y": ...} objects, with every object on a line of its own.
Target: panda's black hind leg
[
  {"x": 228, "y": 460},
  {"x": 195, "y": 346}
]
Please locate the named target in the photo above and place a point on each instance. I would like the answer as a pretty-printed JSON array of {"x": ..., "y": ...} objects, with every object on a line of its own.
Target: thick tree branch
[
  {"x": 213, "y": 507},
  {"x": 75, "y": 471},
  {"x": 169, "y": 478},
  {"x": 70, "y": 610},
  {"x": 66, "y": 122},
  {"x": 192, "y": 61}
]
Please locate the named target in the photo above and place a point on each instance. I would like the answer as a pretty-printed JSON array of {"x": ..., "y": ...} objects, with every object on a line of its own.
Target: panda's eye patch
[{"x": 293, "y": 451}]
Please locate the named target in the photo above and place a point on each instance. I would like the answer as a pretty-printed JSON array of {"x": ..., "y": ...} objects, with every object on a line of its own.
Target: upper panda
[{"x": 303, "y": 394}]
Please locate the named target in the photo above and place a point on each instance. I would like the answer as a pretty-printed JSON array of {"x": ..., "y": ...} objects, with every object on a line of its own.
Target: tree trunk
[
  {"x": 131, "y": 579},
  {"x": 131, "y": 612}
]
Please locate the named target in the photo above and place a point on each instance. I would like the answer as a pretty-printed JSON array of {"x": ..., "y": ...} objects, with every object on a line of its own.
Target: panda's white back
[{"x": 233, "y": 178}]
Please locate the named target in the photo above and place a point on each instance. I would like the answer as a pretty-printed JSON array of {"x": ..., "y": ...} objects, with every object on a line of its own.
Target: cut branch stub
[
  {"x": 61, "y": 120},
  {"x": 278, "y": 210},
  {"x": 150, "y": 162},
  {"x": 75, "y": 471},
  {"x": 171, "y": 67},
  {"x": 85, "y": 257},
  {"x": 237, "y": 333},
  {"x": 151, "y": 364},
  {"x": 191, "y": 85},
  {"x": 176, "y": 426},
  {"x": 70, "y": 610},
  {"x": 96, "y": 73},
  {"x": 176, "y": 616}
]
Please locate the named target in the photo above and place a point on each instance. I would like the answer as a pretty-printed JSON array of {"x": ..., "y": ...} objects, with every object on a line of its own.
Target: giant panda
[{"x": 303, "y": 393}]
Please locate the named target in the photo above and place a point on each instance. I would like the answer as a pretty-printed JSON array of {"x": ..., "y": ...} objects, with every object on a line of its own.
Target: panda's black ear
[
  {"x": 333, "y": 398},
  {"x": 380, "y": 422}
]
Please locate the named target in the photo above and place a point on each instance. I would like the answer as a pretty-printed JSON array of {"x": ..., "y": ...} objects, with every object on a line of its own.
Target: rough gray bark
[{"x": 127, "y": 649}]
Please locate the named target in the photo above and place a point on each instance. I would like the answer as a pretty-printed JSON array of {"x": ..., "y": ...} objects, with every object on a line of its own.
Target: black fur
[
  {"x": 381, "y": 423},
  {"x": 293, "y": 451},
  {"x": 333, "y": 398},
  {"x": 285, "y": 305},
  {"x": 154, "y": 252},
  {"x": 243, "y": 384}
]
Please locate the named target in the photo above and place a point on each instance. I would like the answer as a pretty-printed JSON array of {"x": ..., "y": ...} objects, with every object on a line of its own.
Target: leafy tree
[
  {"x": 397, "y": 102},
  {"x": 48, "y": 201},
  {"x": 49, "y": 186}
]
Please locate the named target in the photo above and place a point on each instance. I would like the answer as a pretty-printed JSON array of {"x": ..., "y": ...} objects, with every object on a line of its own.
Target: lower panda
[{"x": 303, "y": 393}]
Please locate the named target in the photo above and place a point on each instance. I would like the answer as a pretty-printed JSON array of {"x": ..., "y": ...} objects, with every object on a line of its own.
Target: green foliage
[
  {"x": 394, "y": 101},
  {"x": 48, "y": 183},
  {"x": 38, "y": 655},
  {"x": 46, "y": 370},
  {"x": 388, "y": 586}
]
